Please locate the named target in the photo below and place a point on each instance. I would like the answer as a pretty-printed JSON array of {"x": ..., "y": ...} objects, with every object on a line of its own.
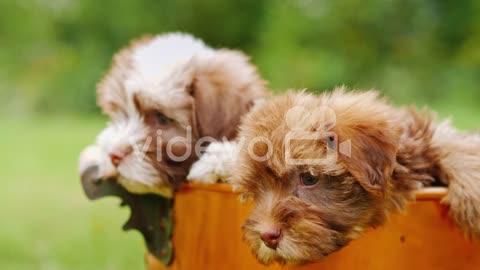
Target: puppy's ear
[
  {"x": 111, "y": 96},
  {"x": 224, "y": 88},
  {"x": 111, "y": 92},
  {"x": 368, "y": 122}
]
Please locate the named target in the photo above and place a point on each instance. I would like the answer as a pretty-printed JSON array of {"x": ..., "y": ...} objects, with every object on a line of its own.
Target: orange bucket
[{"x": 207, "y": 236}]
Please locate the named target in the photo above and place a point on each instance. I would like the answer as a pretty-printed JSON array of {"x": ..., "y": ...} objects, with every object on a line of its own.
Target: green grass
[{"x": 46, "y": 222}]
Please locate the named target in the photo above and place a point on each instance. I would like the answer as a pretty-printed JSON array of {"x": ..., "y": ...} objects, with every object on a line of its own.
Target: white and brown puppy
[{"x": 168, "y": 96}]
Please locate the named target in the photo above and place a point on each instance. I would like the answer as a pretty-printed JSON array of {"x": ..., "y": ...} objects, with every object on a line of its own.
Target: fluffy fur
[
  {"x": 166, "y": 87},
  {"x": 215, "y": 165},
  {"x": 393, "y": 152}
]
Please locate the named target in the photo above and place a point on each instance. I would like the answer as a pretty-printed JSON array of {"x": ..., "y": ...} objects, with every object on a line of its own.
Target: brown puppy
[
  {"x": 321, "y": 169},
  {"x": 166, "y": 97}
]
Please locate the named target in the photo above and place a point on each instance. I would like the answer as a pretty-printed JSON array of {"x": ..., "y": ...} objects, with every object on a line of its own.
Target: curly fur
[
  {"x": 198, "y": 91},
  {"x": 394, "y": 151}
]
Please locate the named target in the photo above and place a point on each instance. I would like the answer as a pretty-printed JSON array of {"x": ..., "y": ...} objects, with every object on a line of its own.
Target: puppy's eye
[
  {"x": 308, "y": 180},
  {"x": 162, "y": 119},
  {"x": 331, "y": 142}
]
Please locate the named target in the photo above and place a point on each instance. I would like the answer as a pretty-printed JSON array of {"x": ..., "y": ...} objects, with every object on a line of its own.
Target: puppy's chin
[
  {"x": 141, "y": 177},
  {"x": 291, "y": 249},
  {"x": 305, "y": 236},
  {"x": 135, "y": 186},
  {"x": 264, "y": 254}
]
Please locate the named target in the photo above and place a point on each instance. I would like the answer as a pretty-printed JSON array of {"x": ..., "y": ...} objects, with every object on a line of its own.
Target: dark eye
[
  {"x": 331, "y": 142},
  {"x": 162, "y": 119},
  {"x": 308, "y": 179}
]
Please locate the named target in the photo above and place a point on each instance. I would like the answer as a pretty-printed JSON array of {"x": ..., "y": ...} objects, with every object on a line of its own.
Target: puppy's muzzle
[{"x": 271, "y": 237}]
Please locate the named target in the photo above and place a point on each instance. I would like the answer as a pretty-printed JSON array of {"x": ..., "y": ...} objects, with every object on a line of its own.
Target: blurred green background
[{"x": 53, "y": 52}]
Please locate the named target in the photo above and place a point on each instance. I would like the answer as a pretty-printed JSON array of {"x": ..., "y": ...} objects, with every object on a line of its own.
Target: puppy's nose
[
  {"x": 116, "y": 156},
  {"x": 271, "y": 237}
]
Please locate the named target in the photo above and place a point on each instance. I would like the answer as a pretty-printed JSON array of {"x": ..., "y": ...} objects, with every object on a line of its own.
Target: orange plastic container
[{"x": 208, "y": 236}]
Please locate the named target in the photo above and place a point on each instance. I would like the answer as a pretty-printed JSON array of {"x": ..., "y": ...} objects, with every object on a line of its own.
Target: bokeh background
[{"x": 53, "y": 52}]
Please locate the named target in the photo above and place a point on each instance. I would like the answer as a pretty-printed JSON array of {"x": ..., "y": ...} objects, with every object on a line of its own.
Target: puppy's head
[
  {"x": 162, "y": 94},
  {"x": 318, "y": 169}
]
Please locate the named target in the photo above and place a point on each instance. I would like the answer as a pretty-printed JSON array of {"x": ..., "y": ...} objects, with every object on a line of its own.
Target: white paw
[
  {"x": 215, "y": 164},
  {"x": 93, "y": 156}
]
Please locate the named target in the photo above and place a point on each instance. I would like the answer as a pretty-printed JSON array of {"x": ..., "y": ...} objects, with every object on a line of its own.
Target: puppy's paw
[
  {"x": 93, "y": 156},
  {"x": 215, "y": 164},
  {"x": 464, "y": 206}
]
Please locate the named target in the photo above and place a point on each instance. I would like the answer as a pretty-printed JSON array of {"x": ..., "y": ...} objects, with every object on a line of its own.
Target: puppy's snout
[
  {"x": 271, "y": 237},
  {"x": 118, "y": 155}
]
